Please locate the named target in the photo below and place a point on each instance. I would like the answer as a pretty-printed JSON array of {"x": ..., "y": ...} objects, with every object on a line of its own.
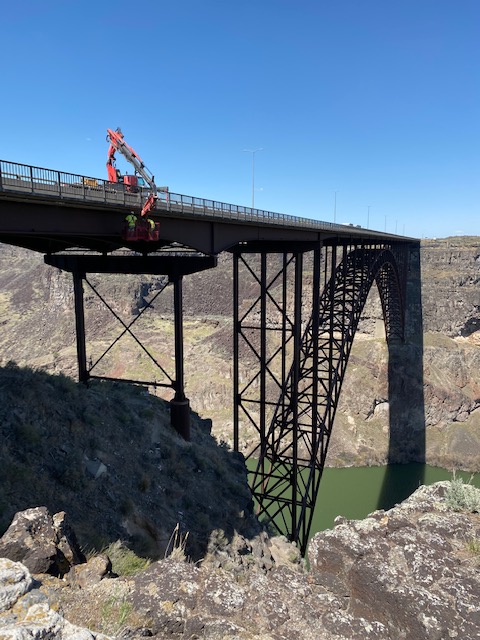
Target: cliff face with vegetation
[
  {"x": 421, "y": 400},
  {"x": 436, "y": 371},
  {"x": 108, "y": 456}
]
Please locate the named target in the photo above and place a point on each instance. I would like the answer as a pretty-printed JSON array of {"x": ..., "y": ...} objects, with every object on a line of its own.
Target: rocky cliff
[
  {"x": 419, "y": 401},
  {"x": 107, "y": 454},
  {"x": 437, "y": 371},
  {"x": 407, "y": 573}
]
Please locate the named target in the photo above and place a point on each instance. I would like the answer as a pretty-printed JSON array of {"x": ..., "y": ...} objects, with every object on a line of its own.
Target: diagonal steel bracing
[
  {"x": 295, "y": 337},
  {"x": 175, "y": 265},
  {"x": 127, "y": 328}
]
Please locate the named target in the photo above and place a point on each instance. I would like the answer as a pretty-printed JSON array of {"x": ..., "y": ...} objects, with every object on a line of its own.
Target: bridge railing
[{"x": 58, "y": 184}]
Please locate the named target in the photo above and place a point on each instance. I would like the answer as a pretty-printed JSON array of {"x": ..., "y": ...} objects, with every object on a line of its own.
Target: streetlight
[
  {"x": 335, "y": 209},
  {"x": 368, "y": 218},
  {"x": 253, "y": 152}
]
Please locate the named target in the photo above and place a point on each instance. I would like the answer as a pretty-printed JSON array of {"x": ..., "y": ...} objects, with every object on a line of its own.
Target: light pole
[
  {"x": 368, "y": 218},
  {"x": 253, "y": 152},
  {"x": 335, "y": 209}
]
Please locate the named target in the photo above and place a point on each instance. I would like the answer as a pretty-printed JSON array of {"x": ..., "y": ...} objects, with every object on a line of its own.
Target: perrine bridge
[{"x": 307, "y": 283}]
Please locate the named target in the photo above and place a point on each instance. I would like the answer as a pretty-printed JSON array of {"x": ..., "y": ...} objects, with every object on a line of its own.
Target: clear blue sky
[{"x": 377, "y": 100}]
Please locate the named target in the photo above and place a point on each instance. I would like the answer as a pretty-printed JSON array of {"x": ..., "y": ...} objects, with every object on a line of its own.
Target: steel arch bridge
[
  {"x": 307, "y": 282},
  {"x": 297, "y": 344}
]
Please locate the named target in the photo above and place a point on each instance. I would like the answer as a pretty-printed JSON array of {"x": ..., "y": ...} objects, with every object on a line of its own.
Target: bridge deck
[{"x": 48, "y": 210}]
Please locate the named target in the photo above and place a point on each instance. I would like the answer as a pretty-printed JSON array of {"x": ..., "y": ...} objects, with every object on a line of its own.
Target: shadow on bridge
[{"x": 406, "y": 399}]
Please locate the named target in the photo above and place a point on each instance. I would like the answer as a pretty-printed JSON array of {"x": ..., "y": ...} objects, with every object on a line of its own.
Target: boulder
[
  {"x": 92, "y": 572},
  {"x": 15, "y": 581},
  {"x": 26, "y": 612},
  {"x": 44, "y": 544},
  {"x": 404, "y": 569}
]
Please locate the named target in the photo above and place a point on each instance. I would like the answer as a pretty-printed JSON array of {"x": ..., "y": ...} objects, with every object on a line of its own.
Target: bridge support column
[
  {"x": 295, "y": 339},
  {"x": 78, "y": 277},
  {"x": 180, "y": 405}
]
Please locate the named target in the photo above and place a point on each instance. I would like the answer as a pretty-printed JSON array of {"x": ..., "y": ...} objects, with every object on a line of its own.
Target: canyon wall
[{"x": 419, "y": 402}]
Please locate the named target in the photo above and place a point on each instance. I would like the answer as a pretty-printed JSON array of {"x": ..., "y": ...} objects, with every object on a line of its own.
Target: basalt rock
[
  {"x": 410, "y": 573},
  {"x": 406, "y": 569},
  {"x": 44, "y": 544},
  {"x": 25, "y": 611},
  {"x": 91, "y": 572}
]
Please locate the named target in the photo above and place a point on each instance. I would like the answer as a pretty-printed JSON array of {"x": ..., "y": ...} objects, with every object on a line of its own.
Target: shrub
[
  {"x": 177, "y": 544},
  {"x": 124, "y": 561},
  {"x": 473, "y": 546},
  {"x": 462, "y": 497}
]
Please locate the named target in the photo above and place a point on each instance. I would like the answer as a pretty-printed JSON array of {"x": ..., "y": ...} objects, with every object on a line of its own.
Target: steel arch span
[{"x": 295, "y": 336}]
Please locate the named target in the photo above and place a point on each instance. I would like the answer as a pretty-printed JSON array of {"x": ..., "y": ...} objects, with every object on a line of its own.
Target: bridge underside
[{"x": 292, "y": 341}]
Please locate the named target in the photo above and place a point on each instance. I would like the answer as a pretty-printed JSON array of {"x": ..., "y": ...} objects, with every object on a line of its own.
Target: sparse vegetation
[
  {"x": 473, "y": 545},
  {"x": 177, "y": 545},
  {"x": 116, "y": 612},
  {"x": 463, "y": 497},
  {"x": 125, "y": 562},
  {"x": 111, "y": 614},
  {"x": 56, "y": 434}
]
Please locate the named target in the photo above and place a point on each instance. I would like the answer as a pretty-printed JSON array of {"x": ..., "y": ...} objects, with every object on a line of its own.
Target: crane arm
[{"x": 117, "y": 143}]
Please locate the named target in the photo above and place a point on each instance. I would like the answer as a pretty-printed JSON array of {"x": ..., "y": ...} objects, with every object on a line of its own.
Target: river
[{"x": 354, "y": 492}]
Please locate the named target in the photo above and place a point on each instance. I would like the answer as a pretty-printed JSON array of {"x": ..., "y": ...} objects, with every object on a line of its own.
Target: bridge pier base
[{"x": 180, "y": 417}]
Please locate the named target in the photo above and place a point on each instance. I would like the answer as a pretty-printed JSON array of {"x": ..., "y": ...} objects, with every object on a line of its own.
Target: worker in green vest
[
  {"x": 151, "y": 228},
  {"x": 131, "y": 220}
]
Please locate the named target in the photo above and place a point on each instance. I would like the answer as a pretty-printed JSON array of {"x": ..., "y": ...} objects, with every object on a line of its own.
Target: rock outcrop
[
  {"x": 405, "y": 572},
  {"x": 25, "y": 611},
  {"x": 410, "y": 573},
  {"x": 44, "y": 544}
]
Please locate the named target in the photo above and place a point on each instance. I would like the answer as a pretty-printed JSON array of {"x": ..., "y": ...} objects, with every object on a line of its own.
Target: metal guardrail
[
  {"x": 49, "y": 182},
  {"x": 31, "y": 180}
]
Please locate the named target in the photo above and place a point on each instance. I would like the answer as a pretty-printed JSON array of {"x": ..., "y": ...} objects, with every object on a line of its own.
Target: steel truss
[
  {"x": 291, "y": 348},
  {"x": 86, "y": 371},
  {"x": 175, "y": 266}
]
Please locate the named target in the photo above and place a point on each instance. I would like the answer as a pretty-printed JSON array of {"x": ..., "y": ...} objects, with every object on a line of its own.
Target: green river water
[{"x": 354, "y": 492}]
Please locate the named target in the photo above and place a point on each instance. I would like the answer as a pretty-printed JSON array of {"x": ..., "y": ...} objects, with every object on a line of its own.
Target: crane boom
[{"x": 117, "y": 143}]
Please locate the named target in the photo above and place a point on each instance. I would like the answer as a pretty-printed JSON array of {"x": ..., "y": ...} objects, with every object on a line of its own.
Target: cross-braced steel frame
[
  {"x": 175, "y": 266},
  {"x": 291, "y": 347}
]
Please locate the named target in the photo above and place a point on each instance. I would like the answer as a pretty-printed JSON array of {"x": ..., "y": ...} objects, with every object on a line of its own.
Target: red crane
[{"x": 142, "y": 176}]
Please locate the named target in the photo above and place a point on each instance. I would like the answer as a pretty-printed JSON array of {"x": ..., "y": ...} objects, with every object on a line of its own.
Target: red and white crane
[{"x": 142, "y": 175}]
